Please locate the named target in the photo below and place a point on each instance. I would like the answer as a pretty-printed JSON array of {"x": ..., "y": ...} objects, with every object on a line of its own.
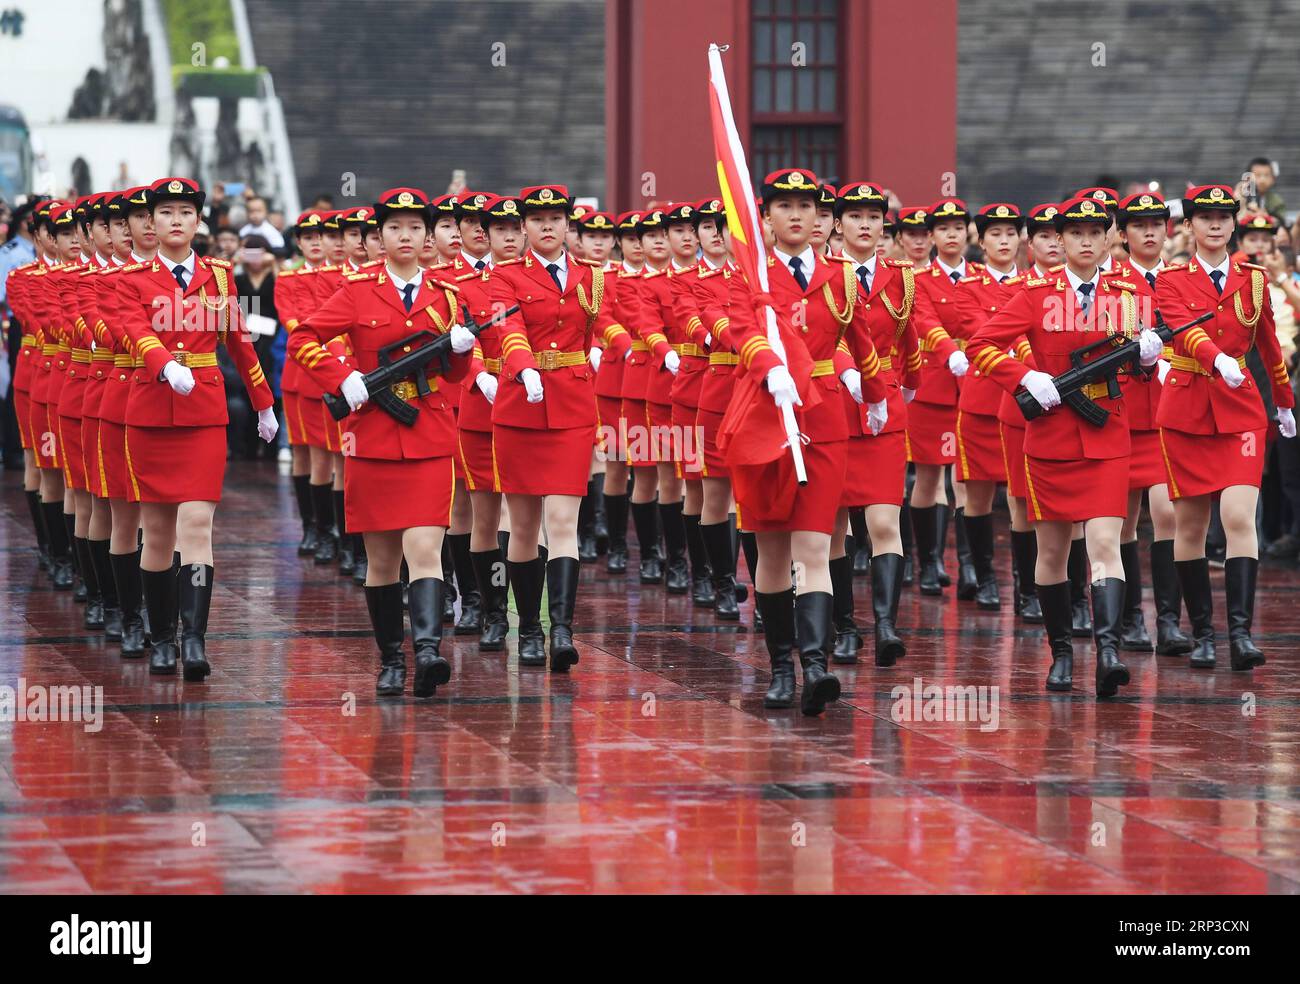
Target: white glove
[
  {"x": 462, "y": 339},
  {"x": 1162, "y": 370},
  {"x": 532, "y": 380},
  {"x": 1150, "y": 345},
  {"x": 781, "y": 385},
  {"x": 267, "y": 425},
  {"x": 877, "y": 416},
  {"x": 594, "y": 357},
  {"x": 354, "y": 390},
  {"x": 627, "y": 355},
  {"x": 852, "y": 380},
  {"x": 908, "y": 395},
  {"x": 1229, "y": 370},
  {"x": 178, "y": 377},
  {"x": 672, "y": 361},
  {"x": 1041, "y": 388},
  {"x": 958, "y": 363},
  {"x": 487, "y": 385},
  {"x": 1285, "y": 422}
]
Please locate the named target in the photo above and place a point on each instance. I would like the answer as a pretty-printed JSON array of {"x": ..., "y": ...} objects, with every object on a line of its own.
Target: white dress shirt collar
[
  {"x": 1223, "y": 267},
  {"x": 485, "y": 259},
  {"x": 561, "y": 261},
  {"x": 1143, "y": 271},
  {"x": 186, "y": 264},
  {"x": 1107, "y": 263},
  {"x": 949, "y": 271},
  {"x": 401, "y": 284},
  {"x": 807, "y": 261},
  {"x": 1075, "y": 281}
]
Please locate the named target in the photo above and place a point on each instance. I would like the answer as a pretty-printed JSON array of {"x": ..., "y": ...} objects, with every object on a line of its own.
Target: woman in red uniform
[
  {"x": 794, "y": 524},
  {"x": 1074, "y": 471},
  {"x": 876, "y": 476},
  {"x": 400, "y": 480},
  {"x": 544, "y": 419},
  {"x": 1212, "y": 419},
  {"x": 175, "y": 310}
]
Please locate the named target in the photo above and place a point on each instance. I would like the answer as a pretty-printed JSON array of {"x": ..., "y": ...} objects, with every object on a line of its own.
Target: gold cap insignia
[
  {"x": 479, "y": 200},
  {"x": 1099, "y": 195},
  {"x": 686, "y": 210},
  {"x": 948, "y": 207},
  {"x": 1216, "y": 194},
  {"x": 1002, "y": 211},
  {"x": 405, "y": 198},
  {"x": 546, "y": 194},
  {"x": 362, "y": 213},
  {"x": 1087, "y": 207},
  {"x": 795, "y": 178},
  {"x": 1049, "y": 212},
  {"x": 175, "y": 186},
  {"x": 509, "y": 206}
]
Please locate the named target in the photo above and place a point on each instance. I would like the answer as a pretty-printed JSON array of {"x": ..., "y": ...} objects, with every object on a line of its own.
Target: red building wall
[{"x": 899, "y": 85}]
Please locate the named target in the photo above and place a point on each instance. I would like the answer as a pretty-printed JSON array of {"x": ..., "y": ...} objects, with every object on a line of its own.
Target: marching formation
[{"x": 483, "y": 392}]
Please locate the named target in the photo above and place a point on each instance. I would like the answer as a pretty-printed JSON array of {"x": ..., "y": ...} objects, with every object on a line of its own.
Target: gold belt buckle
[
  {"x": 550, "y": 359},
  {"x": 405, "y": 390}
]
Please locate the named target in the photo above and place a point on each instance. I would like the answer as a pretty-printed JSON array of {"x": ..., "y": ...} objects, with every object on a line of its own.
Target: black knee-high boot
[
  {"x": 527, "y": 578},
  {"x": 347, "y": 547},
  {"x": 160, "y": 598},
  {"x": 104, "y": 574},
  {"x": 979, "y": 531},
  {"x": 562, "y": 599},
  {"x": 61, "y": 575},
  {"x": 886, "y": 587},
  {"x": 490, "y": 575},
  {"x": 812, "y": 617},
  {"x": 38, "y": 528},
  {"x": 361, "y": 561},
  {"x": 1107, "y": 617},
  {"x": 1057, "y": 614},
  {"x": 778, "y": 618},
  {"x": 677, "y": 577},
  {"x": 79, "y": 592},
  {"x": 126, "y": 575},
  {"x": 1170, "y": 639},
  {"x": 94, "y": 613},
  {"x": 322, "y": 502},
  {"x": 848, "y": 640},
  {"x": 1239, "y": 576},
  {"x": 600, "y": 515},
  {"x": 616, "y": 518},
  {"x": 587, "y": 550},
  {"x": 967, "y": 579},
  {"x": 749, "y": 547},
  {"x": 431, "y": 669},
  {"x": 195, "y": 600},
  {"x": 384, "y": 603},
  {"x": 449, "y": 591},
  {"x": 862, "y": 542},
  {"x": 1024, "y": 551},
  {"x": 722, "y": 562},
  {"x": 302, "y": 493},
  {"x": 942, "y": 514},
  {"x": 647, "y": 537},
  {"x": 925, "y": 526},
  {"x": 471, "y": 596},
  {"x": 701, "y": 572},
  {"x": 1133, "y": 634},
  {"x": 905, "y": 536},
  {"x": 1077, "y": 569}
]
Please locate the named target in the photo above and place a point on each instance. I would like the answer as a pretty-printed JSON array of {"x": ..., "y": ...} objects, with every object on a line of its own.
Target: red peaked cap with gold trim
[
  {"x": 592, "y": 221},
  {"x": 331, "y": 219},
  {"x": 62, "y": 216},
  {"x": 710, "y": 208},
  {"x": 175, "y": 189},
  {"x": 471, "y": 203},
  {"x": 1209, "y": 198},
  {"x": 827, "y": 196},
  {"x": 1043, "y": 216},
  {"x": 629, "y": 223},
  {"x": 445, "y": 204},
  {"x": 357, "y": 217},
  {"x": 538, "y": 197},
  {"x": 1258, "y": 222},
  {"x": 945, "y": 209},
  {"x": 502, "y": 208},
  {"x": 1107, "y": 196},
  {"x": 679, "y": 212},
  {"x": 312, "y": 220},
  {"x": 651, "y": 219},
  {"x": 403, "y": 201},
  {"x": 998, "y": 212},
  {"x": 1143, "y": 205},
  {"x": 912, "y": 217},
  {"x": 578, "y": 211},
  {"x": 861, "y": 194},
  {"x": 1082, "y": 210},
  {"x": 789, "y": 181}
]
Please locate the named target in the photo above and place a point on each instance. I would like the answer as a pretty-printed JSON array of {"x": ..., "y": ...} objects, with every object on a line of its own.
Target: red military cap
[
  {"x": 81, "y": 208},
  {"x": 134, "y": 199},
  {"x": 502, "y": 208},
  {"x": 998, "y": 212},
  {"x": 578, "y": 211},
  {"x": 545, "y": 196},
  {"x": 679, "y": 212},
  {"x": 1208, "y": 198},
  {"x": 404, "y": 201},
  {"x": 861, "y": 194},
  {"x": 62, "y": 215},
  {"x": 945, "y": 209},
  {"x": 445, "y": 204},
  {"x": 826, "y": 195},
  {"x": 710, "y": 208},
  {"x": 1143, "y": 205},
  {"x": 472, "y": 202},
  {"x": 1043, "y": 216},
  {"x": 99, "y": 204},
  {"x": 651, "y": 219},
  {"x": 175, "y": 189},
  {"x": 115, "y": 204},
  {"x": 912, "y": 217},
  {"x": 330, "y": 219},
  {"x": 312, "y": 220},
  {"x": 357, "y": 217},
  {"x": 45, "y": 210},
  {"x": 789, "y": 181},
  {"x": 629, "y": 222},
  {"x": 1082, "y": 210},
  {"x": 596, "y": 222},
  {"x": 1258, "y": 223},
  {"x": 1107, "y": 196}
]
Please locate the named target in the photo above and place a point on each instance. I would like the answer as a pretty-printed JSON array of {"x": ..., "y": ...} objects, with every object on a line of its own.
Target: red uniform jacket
[
  {"x": 1046, "y": 313},
  {"x": 287, "y": 308},
  {"x": 476, "y": 294},
  {"x": 29, "y": 351},
  {"x": 938, "y": 326},
  {"x": 121, "y": 378},
  {"x": 1141, "y": 390},
  {"x": 649, "y": 343},
  {"x": 370, "y": 311},
  {"x": 164, "y": 325},
  {"x": 1195, "y": 399},
  {"x": 979, "y": 297},
  {"x": 618, "y": 286},
  {"x": 692, "y": 346},
  {"x": 714, "y": 294},
  {"x": 673, "y": 313},
  {"x": 552, "y": 332}
]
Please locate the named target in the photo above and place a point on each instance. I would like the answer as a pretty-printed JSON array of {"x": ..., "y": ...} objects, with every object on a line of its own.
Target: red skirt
[
  {"x": 311, "y": 420},
  {"x": 1146, "y": 466},
  {"x": 640, "y": 450},
  {"x": 1073, "y": 491},
  {"x": 1202, "y": 464},
  {"x": 475, "y": 465},
  {"x": 95, "y": 481},
  {"x": 74, "y": 459},
  {"x": 931, "y": 433},
  {"x": 707, "y": 423},
  {"x": 293, "y": 421},
  {"x": 176, "y": 464},
  {"x": 687, "y": 443},
  {"x": 382, "y": 494},
  {"x": 659, "y": 422},
  {"x": 979, "y": 448},
  {"x": 1013, "y": 459},
  {"x": 543, "y": 462},
  {"x": 609, "y": 412},
  {"x": 45, "y": 440},
  {"x": 112, "y": 458},
  {"x": 23, "y": 411},
  {"x": 876, "y": 470},
  {"x": 771, "y": 501}
]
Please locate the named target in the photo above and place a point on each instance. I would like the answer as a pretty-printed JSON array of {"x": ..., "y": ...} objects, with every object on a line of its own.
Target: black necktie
[
  {"x": 1004, "y": 278},
  {"x": 554, "y": 270},
  {"x": 1151, "y": 279},
  {"x": 408, "y": 295},
  {"x": 1217, "y": 277},
  {"x": 179, "y": 273},
  {"x": 955, "y": 276},
  {"x": 1086, "y": 301},
  {"x": 864, "y": 278},
  {"x": 796, "y": 268},
  {"x": 479, "y": 264}
]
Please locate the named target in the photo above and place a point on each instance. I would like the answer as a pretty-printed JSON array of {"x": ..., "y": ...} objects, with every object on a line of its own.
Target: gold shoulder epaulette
[
  {"x": 1037, "y": 281},
  {"x": 1170, "y": 269},
  {"x": 590, "y": 263},
  {"x": 362, "y": 275},
  {"x": 974, "y": 265},
  {"x": 1116, "y": 282},
  {"x": 708, "y": 272},
  {"x": 1056, "y": 269},
  {"x": 133, "y": 266},
  {"x": 217, "y": 261},
  {"x": 1253, "y": 266},
  {"x": 973, "y": 279},
  {"x": 471, "y": 275},
  {"x": 1018, "y": 279},
  {"x": 436, "y": 282},
  {"x": 899, "y": 263},
  {"x": 651, "y": 274},
  {"x": 839, "y": 256},
  {"x": 370, "y": 264}
]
